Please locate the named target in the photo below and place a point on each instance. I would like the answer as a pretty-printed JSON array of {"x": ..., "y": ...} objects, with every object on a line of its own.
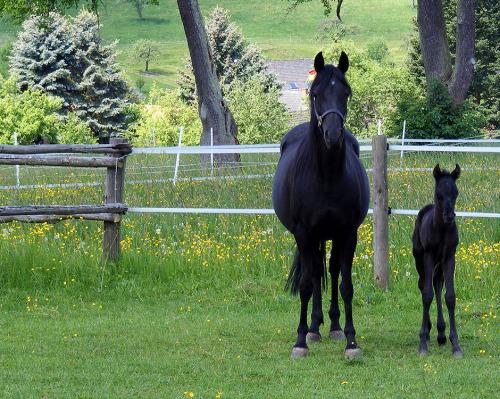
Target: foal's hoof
[
  {"x": 312, "y": 337},
  {"x": 353, "y": 354},
  {"x": 297, "y": 352},
  {"x": 458, "y": 354},
  {"x": 423, "y": 352},
  {"x": 337, "y": 335}
]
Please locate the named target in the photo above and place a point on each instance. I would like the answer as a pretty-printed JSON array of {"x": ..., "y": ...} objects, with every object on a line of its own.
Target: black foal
[{"x": 435, "y": 240}]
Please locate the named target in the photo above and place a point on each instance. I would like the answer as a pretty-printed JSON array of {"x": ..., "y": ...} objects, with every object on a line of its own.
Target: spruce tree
[
  {"x": 66, "y": 58},
  {"x": 234, "y": 58},
  {"x": 103, "y": 95},
  {"x": 42, "y": 55}
]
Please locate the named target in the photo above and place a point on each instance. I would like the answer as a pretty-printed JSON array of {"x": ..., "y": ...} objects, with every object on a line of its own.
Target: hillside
[{"x": 280, "y": 35}]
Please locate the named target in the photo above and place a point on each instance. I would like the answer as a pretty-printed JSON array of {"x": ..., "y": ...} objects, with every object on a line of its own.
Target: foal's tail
[{"x": 295, "y": 275}]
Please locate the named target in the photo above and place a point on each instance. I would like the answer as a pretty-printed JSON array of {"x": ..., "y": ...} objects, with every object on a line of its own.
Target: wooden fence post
[
  {"x": 380, "y": 212},
  {"x": 115, "y": 184}
]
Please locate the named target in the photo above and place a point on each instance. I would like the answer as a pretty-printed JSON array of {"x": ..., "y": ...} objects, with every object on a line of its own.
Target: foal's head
[
  {"x": 446, "y": 192},
  {"x": 329, "y": 94}
]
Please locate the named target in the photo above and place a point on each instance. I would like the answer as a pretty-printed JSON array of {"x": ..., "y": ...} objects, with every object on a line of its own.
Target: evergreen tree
[
  {"x": 42, "y": 55},
  {"x": 103, "y": 95},
  {"x": 234, "y": 58},
  {"x": 67, "y": 59}
]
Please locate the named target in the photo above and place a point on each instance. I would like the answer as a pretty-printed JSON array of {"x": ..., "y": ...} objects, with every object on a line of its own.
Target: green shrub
[
  {"x": 31, "y": 114},
  {"x": 260, "y": 116},
  {"x": 435, "y": 116},
  {"x": 376, "y": 88},
  {"x": 164, "y": 112},
  {"x": 74, "y": 131},
  {"x": 377, "y": 50},
  {"x": 34, "y": 115}
]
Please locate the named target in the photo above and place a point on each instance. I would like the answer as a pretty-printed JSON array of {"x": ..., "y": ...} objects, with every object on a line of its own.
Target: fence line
[{"x": 270, "y": 211}]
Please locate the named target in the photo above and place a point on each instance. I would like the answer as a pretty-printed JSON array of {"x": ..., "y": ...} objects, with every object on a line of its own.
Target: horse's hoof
[
  {"x": 312, "y": 337},
  {"x": 441, "y": 340},
  {"x": 299, "y": 352},
  {"x": 458, "y": 354},
  {"x": 353, "y": 354},
  {"x": 423, "y": 352},
  {"x": 337, "y": 335}
]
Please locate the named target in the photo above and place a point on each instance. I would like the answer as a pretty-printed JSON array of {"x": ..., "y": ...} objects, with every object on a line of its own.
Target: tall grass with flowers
[{"x": 196, "y": 306}]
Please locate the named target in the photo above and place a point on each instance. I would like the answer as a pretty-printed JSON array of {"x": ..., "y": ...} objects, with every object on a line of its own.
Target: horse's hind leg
[
  {"x": 438, "y": 286},
  {"x": 317, "y": 311},
  {"x": 334, "y": 312}
]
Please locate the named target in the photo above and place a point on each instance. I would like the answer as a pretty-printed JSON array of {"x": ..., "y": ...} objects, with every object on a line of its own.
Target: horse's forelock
[{"x": 323, "y": 79}]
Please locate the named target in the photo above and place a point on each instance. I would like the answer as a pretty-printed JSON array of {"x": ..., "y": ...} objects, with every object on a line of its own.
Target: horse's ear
[
  {"x": 456, "y": 172},
  {"x": 343, "y": 62},
  {"x": 319, "y": 62},
  {"x": 436, "y": 172}
]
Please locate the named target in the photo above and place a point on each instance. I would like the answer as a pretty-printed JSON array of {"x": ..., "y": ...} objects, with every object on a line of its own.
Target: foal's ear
[
  {"x": 319, "y": 62},
  {"x": 436, "y": 172},
  {"x": 343, "y": 62},
  {"x": 456, "y": 172}
]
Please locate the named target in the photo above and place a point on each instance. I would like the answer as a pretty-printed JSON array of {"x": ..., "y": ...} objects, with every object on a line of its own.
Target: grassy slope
[{"x": 263, "y": 22}]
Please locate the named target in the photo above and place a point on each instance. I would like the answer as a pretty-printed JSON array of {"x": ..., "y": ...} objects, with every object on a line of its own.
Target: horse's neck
[{"x": 331, "y": 163}]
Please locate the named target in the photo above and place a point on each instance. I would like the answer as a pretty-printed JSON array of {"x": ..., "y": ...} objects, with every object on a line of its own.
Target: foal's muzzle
[{"x": 448, "y": 217}]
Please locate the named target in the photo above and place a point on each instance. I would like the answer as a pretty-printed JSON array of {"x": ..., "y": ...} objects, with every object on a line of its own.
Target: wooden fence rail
[{"x": 110, "y": 213}]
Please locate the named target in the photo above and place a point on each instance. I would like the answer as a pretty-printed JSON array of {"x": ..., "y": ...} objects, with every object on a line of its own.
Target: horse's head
[
  {"x": 329, "y": 94},
  {"x": 446, "y": 192}
]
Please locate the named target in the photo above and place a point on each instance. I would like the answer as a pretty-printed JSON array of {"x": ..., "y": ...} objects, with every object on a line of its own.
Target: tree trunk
[
  {"x": 464, "y": 60},
  {"x": 213, "y": 110},
  {"x": 433, "y": 40},
  {"x": 435, "y": 48},
  {"x": 147, "y": 65}
]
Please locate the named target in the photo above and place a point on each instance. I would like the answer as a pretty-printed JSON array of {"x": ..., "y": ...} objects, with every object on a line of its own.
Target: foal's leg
[
  {"x": 419, "y": 262},
  {"x": 347, "y": 246},
  {"x": 300, "y": 348},
  {"x": 427, "y": 295},
  {"x": 334, "y": 312},
  {"x": 317, "y": 309},
  {"x": 449, "y": 273},
  {"x": 438, "y": 286}
]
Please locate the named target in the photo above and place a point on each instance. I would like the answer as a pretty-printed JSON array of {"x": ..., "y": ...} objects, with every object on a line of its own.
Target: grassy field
[
  {"x": 197, "y": 309},
  {"x": 280, "y": 35}
]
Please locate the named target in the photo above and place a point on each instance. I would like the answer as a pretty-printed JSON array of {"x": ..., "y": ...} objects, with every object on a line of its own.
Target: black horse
[
  {"x": 435, "y": 240},
  {"x": 320, "y": 193}
]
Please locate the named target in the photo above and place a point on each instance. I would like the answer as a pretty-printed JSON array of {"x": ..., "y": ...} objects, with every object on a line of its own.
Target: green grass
[
  {"x": 280, "y": 35},
  {"x": 197, "y": 302}
]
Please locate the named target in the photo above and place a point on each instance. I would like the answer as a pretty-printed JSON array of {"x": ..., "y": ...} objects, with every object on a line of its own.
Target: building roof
[{"x": 292, "y": 75}]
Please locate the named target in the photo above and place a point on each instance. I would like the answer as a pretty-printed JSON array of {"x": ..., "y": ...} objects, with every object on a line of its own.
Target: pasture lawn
[
  {"x": 265, "y": 23},
  {"x": 196, "y": 307}
]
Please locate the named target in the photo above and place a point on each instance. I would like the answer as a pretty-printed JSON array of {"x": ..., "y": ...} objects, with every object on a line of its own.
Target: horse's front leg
[
  {"x": 334, "y": 312},
  {"x": 427, "y": 296},
  {"x": 300, "y": 348},
  {"x": 347, "y": 247},
  {"x": 317, "y": 309},
  {"x": 449, "y": 296}
]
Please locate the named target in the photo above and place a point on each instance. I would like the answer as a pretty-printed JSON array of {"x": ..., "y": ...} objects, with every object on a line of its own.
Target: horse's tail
[{"x": 295, "y": 275}]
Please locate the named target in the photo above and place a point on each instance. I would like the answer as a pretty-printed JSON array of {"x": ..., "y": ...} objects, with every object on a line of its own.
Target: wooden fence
[{"x": 112, "y": 157}]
